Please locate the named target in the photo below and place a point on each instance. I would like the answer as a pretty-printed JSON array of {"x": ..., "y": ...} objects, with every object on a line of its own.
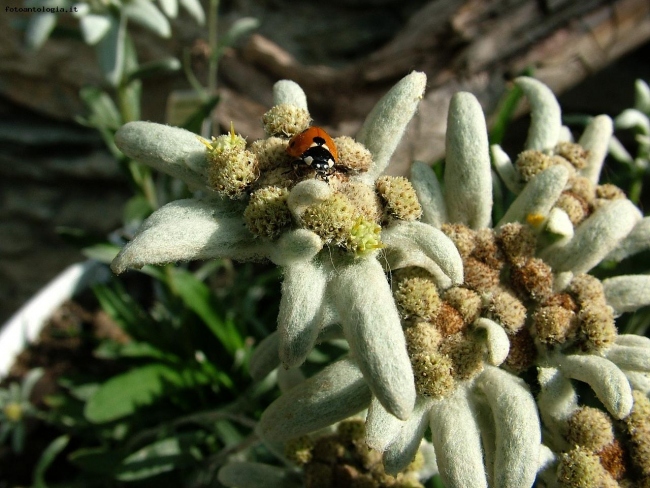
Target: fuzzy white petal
[
  {"x": 381, "y": 426},
  {"x": 557, "y": 401},
  {"x": 337, "y": 392},
  {"x": 185, "y": 230},
  {"x": 608, "y": 382},
  {"x": 518, "y": 434},
  {"x": 632, "y": 118},
  {"x": 295, "y": 246},
  {"x": 431, "y": 241},
  {"x": 468, "y": 177},
  {"x": 506, "y": 170},
  {"x": 372, "y": 326},
  {"x": 559, "y": 223},
  {"x": 306, "y": 193},
  {"x": 538, "y": 196},
  {"x": 630, "y": 358},
  {"x": 289, "y": 92},
  {"x": 595, "y": 139},
  {"x": 636, "y": 241},
  {"x": 288, "y": 378},
  {"x": 639, "y": 381},
  {"x": 384, "y": 126},
  {"x": 403, "y": 448},
  {"x": 627, "y": 293},
  {"x": 430, "y": 195},
  {"x": 498, "y": 344},
  {"x": 303, "y": 288},
  {"x": 594, "y": 238},
  {"x": 457, "y": 441},
  {"x": 546, "y": 117},
  {"x": 565, "y": 134},
  {"x": 632, "y": 340},
  {"x": 254, "y": 475},
  {"x": 174, "y": 151}
]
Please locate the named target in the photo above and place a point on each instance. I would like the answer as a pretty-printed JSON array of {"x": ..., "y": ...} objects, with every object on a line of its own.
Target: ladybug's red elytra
[{"x": 314, "y": 148}]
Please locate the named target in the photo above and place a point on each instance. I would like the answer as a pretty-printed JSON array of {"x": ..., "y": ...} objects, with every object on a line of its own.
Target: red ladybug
[{"x": 314, "y": 148}]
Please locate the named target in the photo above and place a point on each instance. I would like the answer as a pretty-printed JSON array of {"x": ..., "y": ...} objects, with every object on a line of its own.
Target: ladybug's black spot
[{"x": 319, "y": 140}]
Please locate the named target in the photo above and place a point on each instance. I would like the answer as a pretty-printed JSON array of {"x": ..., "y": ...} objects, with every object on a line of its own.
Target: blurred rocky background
[{"x": 56, "y": 175}]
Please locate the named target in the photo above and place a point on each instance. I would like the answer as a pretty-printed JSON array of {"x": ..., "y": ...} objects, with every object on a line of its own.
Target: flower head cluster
[
  {"x": 254, "y": 202},
  {"x": 524, "y": 305}
]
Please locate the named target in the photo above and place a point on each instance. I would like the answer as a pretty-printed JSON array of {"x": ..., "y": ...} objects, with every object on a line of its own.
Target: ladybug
[{"x": 313, "y": 148}]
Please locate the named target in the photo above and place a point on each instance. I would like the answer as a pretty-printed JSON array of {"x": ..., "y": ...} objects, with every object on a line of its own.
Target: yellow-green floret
[
  {"x": 267, "y": 213},
  {"x": 333, "y": 219},
  {"x": 399, "y": 198},
  {"x": 285, "y": 120}
]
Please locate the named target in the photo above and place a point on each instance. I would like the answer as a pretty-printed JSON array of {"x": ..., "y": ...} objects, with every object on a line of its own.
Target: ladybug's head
[{"x": 318, "y": 157}]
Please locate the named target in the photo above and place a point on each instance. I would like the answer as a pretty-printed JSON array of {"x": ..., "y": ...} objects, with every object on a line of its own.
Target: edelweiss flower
[
  {"x": 337, "y": 458},
  {"x": 525, "y": 304},
  {"x": 324, "y": 234}
]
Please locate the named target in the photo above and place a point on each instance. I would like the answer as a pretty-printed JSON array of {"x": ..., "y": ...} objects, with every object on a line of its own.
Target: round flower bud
[
  {"x": 422, "y": 338},
  {"x": 448, "y": 320},
  {"x": 271, "y": 153},
  {"x": 433, "y": 374},
  {"x": 298, "y": 450},
  {"x": 591, "y": 428},
  {"x": 267, "y": 213},
  {"x": 365, "y": 237},
  {"x": 479, "y": 276},
  {"x": 487, "y": 250},
  {"x": 280, "y": 177},
  {"x": 523, "y": 353},
  {"x": 531, "y": 162},
  {"x": 582, "y": 187},
  {"x": 231, "y": 172},
  {"x": 467, "y": 302},
  {"x": 332, "y": 219},
  {"x": 597, "y": 324},
  {"x": 554, "y": 324},
  {"x": 517, "y": 241},
  {"x": 580, "y": 468},
  {"x": 466, "y": 355},
  {"x": 638, "y": 427},
  {"x": 575, "y": 207},
  {"x": 609, "y": 192},
  {"x": 285, "y": 120},
  {"x": 462, "y": 236},
  {"x": 362, "y": 197},
  {"x": 574, "y": 153},
  {"x": 586, "y": 288},
  {"x": 506, "y": 309},
  {"x": 533, "y": 279},
  {"x": 399, "y": 198},
  {"x": 417, "y": 298},
  {"x": 352, "y": 155}
]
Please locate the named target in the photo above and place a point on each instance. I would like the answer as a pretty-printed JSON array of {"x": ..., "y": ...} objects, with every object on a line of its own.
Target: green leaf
[
  {"x": 110, "y": 51},
  {"x": 46, "y": 459},
  {"x": 94, "y": 27},
  {"x": 147, "y": 15},
  {"x": 239, "y": 29},
  {"x": 197, "y": 297},
  {"x": 103, "y": 111},
  {"x": 97, "y": 460},
  {"x": 162, "y": 66},
  {"x": 505, "y": 114},
  {"x": 103, "y": 252},
  {"x": 39, "y": 28},
  {"x": 157, "y": 458},
  {"x": 137, "y": 209},
  {"x": 193, "y": 123},
  {"x": 194, "y": 8},
  {"x": 122, "y": 308},
  {"x": 122, "y": 395}
]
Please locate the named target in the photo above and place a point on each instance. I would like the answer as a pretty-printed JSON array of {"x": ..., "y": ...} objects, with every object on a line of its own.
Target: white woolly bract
[
  {"x": 383, "y": 128},
  {"x": 430, "y": 241},
  {"x": 506, "y": 170},
  {"x": 559, "y": 223},
  {"x": 595, "y": 139},
  {"x": 176, "y": 152},
  {"x": 265, "y": 357},
  {"x": 565, "y": 134},
  {"x": 294, "y": 246},
  {"x": 546, "y": 117},
  {"x": 639, "y": 381},
  {"x": 498, "y": 344},
  {"x": 429, "y": 192},
  {"x": 306, "y": 193},
  {"x": 303, "y": 288},
  {"x": 608, "y": 382},
  {"x": 632, "y": 118},
  {"x": 457, "y": 441},
  {"x": 381, "y": 426},
  {"x": 636, "y": 241},
  {"x": 538, "y": 196},
  {"x": 642, "y": 96},
  {"x": 371, "y": 325},
  {"x": 253, "y": 475},
  {"x": 289, "y": 92},
  {"x": 336, "y": 393},
  {"x": 627, "y": 293},
  {"x": 184, "y": 230},
  {"x": 409, "y": 255},
  {"x": 630, "y": 358},
  {"x": 404, "y": 446},
  {"x": 288, "y": 378},
  {"x": 594, "y": 238},
  {"x": 632, "y": 340},
  {"x": 468, "y": 178},
  {"x": 557, "y": 401},
  {"x": 518, "y": 435}
]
